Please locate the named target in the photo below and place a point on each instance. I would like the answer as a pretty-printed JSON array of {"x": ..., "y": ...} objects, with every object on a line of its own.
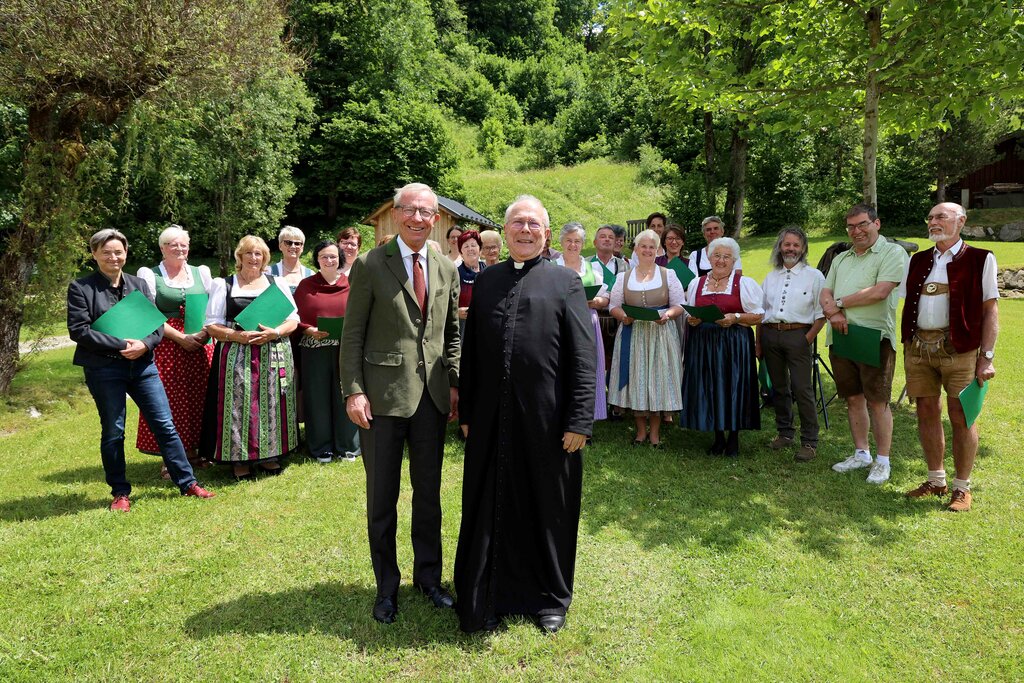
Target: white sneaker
[
  {"x": 879, "y": 473},
  {"x": 854, "y": 462},
  {"x": 323, "y": 460},
  {"x": 350, "y": 456}
]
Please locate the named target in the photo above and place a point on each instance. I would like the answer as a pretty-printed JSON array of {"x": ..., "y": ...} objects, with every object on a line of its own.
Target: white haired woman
[
  {"x": 291, "y": 241},
  {"x": 646, "y": 371},
  {"x": 720, "y": 391},
  {"x": 182, "y": 359},
  {"x": 572, "y": 238},
  {"x": 253, "y": 371}
]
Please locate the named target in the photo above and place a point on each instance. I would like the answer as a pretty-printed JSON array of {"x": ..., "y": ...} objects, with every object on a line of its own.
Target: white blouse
[
  {"x": 216, "y": 309},
  {"x": 676, "y": 295},
  {"x": 751, "y": 295},
  {"x": 149, "y": 276},
  {"x": 595, "y": 267}
]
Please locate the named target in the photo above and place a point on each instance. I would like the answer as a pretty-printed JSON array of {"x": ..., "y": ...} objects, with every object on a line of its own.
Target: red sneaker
[
  {"x": 198, "y": 491},
  {"x": 121, "y": 504}
]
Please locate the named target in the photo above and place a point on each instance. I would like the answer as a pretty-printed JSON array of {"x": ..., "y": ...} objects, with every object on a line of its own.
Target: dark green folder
[
  {"x": 860, "y": 344},
  {"x": 269, "y": 309},
  {"x": 762, "y": 376},
  {"x": 681, "y": 270},
  {"x": 332, "y": 325},
  {"x": 708, "y": 314},
  {"x": 591, "y": 291},
  {"x": 133, "y": 317},
  {"x": 641, "y": 313},
  {"x": 971, "y": 399},
  {"x": 195, "y": 312}
]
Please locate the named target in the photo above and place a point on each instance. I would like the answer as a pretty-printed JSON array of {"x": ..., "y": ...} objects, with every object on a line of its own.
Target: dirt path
[{"x": 46, "y": 344}]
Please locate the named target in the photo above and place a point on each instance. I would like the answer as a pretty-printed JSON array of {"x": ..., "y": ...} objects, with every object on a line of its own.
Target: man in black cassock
[{"x": 527, "y": 407}]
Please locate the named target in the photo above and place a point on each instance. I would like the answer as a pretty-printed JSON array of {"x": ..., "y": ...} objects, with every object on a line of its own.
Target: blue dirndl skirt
[{"x": 720, "y": 389}]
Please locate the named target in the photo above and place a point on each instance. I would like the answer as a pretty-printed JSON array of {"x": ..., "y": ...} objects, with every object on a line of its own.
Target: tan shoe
[
  {"x": 928, "y": 489},
  {"x": 780, "y": 442},
  {"x": 806, "y": 453},
  {"x": 960, "y": 502}
]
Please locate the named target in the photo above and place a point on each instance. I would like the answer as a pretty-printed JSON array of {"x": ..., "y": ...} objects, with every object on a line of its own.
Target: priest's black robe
[{"x": 527, "y": 376}]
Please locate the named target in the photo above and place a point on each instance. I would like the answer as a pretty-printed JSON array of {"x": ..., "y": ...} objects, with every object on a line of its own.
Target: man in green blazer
[{"x": 400, "y": 377}]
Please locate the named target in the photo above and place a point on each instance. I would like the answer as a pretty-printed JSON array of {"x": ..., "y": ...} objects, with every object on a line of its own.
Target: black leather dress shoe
[
  {"x": 551, "y": 623},
  {"x": 386, "y": 609},
  {"x": 441, "y": 598}
]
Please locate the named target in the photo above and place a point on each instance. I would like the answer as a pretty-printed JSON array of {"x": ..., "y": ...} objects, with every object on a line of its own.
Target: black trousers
[
  {"x": 788, "y": 356},
  {"x": 383, "y": 444}
]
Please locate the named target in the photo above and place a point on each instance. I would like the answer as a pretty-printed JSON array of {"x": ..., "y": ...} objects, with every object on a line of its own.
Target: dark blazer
[
  {"x": 387, "y": 351},
  {"x": 88, "y": 299}
]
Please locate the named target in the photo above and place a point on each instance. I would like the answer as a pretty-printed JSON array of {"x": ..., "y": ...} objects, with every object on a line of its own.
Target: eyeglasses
[
  {"x": 293, "y": 243},
  {"x": 410, "y": 211},
  {"x": 858, "y": 226},
  {"x": 519, "y": 225},
  {"x": 939, "y": 217},
  {"x": 177, "y": 247},
  {"x": 328, "y": 257}
]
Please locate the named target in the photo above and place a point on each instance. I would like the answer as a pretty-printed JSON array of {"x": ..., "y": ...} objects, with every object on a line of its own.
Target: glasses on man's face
[
  {"x": 176, "y": 246},
  {"x": 857, "y": 226},
  {"x": 943, "y": 217},
  {"x": 410, "y": 211},
  {"x": 519, "y": 225},
  {"x": 293, "y": 243}
]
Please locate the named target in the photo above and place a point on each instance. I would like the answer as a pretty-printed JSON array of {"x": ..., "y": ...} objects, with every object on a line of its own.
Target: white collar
[
  {"x": 795, "y": 269},
  {"x": 951, "y": 252},
  {"x": 407, "y": 251}
]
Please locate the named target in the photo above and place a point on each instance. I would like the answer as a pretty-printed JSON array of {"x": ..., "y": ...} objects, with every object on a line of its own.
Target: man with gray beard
[{"x": 785, "y": 339}]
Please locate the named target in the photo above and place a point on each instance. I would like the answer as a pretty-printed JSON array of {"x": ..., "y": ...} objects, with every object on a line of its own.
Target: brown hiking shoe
[
  {"x": 806, "y": 453},
  {"x": 960, "y": 502},
  {"x": 927, "y": 489},
  {"x": 780, "y": 442}
]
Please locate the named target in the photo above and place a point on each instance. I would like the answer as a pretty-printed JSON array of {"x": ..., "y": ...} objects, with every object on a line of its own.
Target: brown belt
[
  {"x": 786, "y": 327},
  {"x": 935, "y": 289}
]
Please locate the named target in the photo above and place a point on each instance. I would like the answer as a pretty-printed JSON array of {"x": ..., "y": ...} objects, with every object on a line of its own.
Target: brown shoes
[
  {"x": 927, "y": 489},
  {"x": 806, "y": 453},
  {"x": 120, "y": 504},
  {"x": 960, "y": 501},
  {"x": 780, "y": 442}
]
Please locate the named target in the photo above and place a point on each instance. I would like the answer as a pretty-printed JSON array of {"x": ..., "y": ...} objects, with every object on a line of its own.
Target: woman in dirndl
[
  {"x": 646, "y": 374},
  {"x": 253, "y": 372},
  {"x": 720, "y": 389},
  {"x": 182, "y": 359},
  {"x": 572, "y": 238}
]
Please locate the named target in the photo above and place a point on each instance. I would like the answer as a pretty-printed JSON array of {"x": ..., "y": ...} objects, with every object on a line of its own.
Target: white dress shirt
[
  {"x": 933, "y": 309},
  {"x": 407, "y": 253},
  {"x": 791, "y": 295}
]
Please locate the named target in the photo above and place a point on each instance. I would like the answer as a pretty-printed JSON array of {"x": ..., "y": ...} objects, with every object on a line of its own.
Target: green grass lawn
[{"x": 689, "y": 567}]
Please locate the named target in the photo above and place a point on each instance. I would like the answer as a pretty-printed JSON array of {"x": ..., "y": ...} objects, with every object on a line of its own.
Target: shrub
[
  {"x": 543, "y": 143},
  {"x": 492, "y": 141}
]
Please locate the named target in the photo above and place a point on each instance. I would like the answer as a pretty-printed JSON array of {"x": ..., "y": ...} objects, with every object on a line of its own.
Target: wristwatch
[
  {"x": 839, "y": 303},
  {"x": 989, "y": 355},
  {"x": 737, "y": 316}
]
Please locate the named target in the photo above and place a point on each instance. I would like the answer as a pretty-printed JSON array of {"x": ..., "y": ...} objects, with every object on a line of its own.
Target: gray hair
[
  {"x": 776, "y": 258},
  {"x": 290, "y": 232},
  {"x": 489, "y": 234},
  {"x": 712, "y": 219},
  {"x": 647, "y": 234},
  {"x": 414, "y": 187},
  {"x": 528, "y": 199},
  {"x": 170, "y": 233},
  {"x": 570, "y": 228},
  {"x": 103, "y": 236},
  {"x": 727, "y": 242}
]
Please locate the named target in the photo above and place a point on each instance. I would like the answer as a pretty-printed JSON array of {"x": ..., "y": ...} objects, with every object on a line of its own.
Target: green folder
[
  {"x": 860, "y": 344},
  {"x": 591, "y": 291},
  {"x": 133, "y": 317},
  {"x": 681, "y": 270},
  {"x": 641, "y": 313},
  {"x": 708, "y": 314},
  {"x": 269, "y": 309},
  {"x": 971, "y": 399},
  {"x": 332, "y": 325},
  {"x": 762, "y": 376},
  {"x": 195, "y": 312}
]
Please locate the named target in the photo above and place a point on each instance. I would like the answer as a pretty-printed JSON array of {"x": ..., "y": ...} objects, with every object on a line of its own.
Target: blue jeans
[{"x": 139, "y": 379}]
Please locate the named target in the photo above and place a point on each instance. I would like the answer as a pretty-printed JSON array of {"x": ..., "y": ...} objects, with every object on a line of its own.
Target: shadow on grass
[
  {"x": 51, "y": 505},
  {"x": 681, "y": 495},
  {"x": 339, "y": 610}
]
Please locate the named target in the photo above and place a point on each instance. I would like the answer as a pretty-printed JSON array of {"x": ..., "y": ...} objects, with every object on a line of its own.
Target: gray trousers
[{"x": 788, "y": 357}]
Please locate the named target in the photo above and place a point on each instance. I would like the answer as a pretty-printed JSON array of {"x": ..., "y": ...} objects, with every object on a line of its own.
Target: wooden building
[
  {"x": 452, "y": 213},
  {"x": 997, "y": 184}
]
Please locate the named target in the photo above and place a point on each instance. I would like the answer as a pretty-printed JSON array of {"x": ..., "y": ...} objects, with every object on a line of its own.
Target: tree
[
  {"x": 820, "y": 61},
  {"x": 76, "y": 68}
]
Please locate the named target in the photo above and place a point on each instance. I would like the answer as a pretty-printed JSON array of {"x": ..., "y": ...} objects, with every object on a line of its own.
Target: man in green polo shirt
[{"x": 860, "y": 289}]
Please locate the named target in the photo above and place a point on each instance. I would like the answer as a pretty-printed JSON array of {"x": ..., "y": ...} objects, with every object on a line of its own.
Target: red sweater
[{"x": 314, "y": 297}]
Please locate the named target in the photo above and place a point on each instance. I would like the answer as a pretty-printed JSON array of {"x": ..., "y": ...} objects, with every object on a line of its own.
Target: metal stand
[{"x": 819, "y": 384}]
